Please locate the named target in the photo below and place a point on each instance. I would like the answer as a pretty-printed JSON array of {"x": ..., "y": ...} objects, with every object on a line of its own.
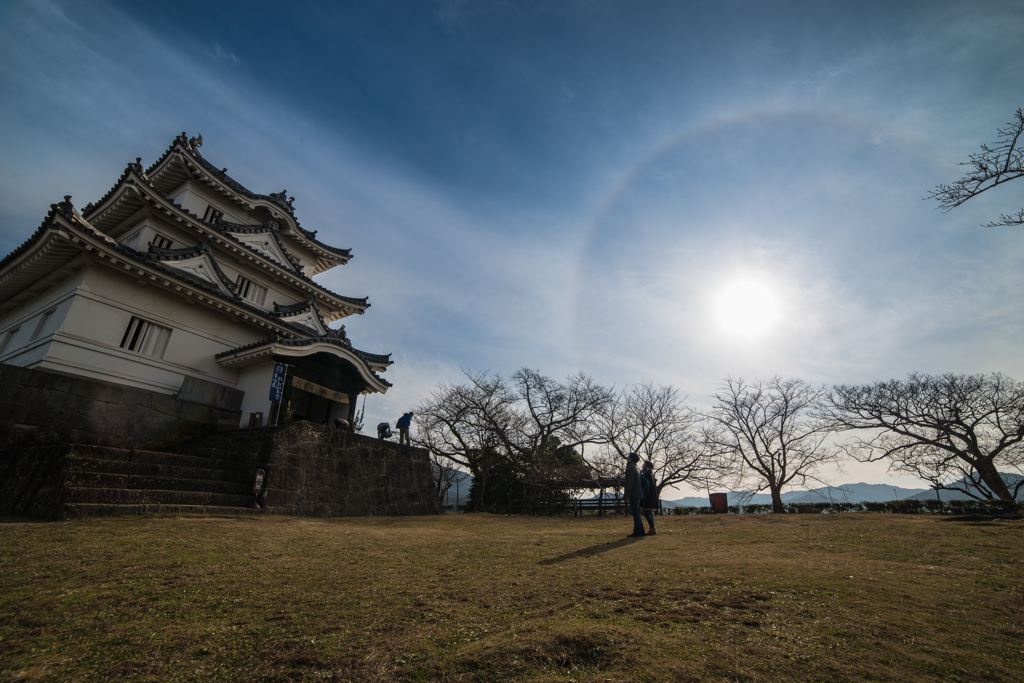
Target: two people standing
[{"x": 641, "y": 493}]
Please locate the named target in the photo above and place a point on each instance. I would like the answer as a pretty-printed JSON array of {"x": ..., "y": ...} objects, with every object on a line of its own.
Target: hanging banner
[{"x": 277, "y": 381}]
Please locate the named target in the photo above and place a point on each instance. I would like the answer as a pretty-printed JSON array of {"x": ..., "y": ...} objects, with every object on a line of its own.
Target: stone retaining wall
[
  {"x": 321, "y": 471},
  {"x": 310, "y": 469},
  {"x": 76, "y": 410}
]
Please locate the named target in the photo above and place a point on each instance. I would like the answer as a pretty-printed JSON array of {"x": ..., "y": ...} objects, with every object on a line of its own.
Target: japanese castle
[{"x": 183, "y": 282}]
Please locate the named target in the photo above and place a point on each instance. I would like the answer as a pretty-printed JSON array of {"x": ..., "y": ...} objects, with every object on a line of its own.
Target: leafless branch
[{"x": 994, "y": 165}]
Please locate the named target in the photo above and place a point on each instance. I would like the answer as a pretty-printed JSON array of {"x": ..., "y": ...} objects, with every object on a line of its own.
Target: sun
[{"x": 747, "y": 309}]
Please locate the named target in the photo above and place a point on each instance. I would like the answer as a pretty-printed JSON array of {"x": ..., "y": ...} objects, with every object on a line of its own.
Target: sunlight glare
[{"x": 747, "y": 309}]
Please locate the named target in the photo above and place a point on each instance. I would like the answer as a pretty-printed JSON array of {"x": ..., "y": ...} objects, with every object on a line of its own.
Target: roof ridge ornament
[
  {"x": 137, "y": 167},
  {"x": 283, "y": 197},
  {"x": 66, "y": 208}
]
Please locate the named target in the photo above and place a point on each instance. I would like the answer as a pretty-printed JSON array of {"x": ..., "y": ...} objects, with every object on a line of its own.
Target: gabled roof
[
  {"x": 134, "y": 190},
  {"x": 167, "y": 174},
  {"x": 67, "y": 240},
  {"x": 307, "y": 314},
  {"x": 65, "y": 234},
  {"x": 198, "y": 262},
  {"x": 262, "y": 238}
]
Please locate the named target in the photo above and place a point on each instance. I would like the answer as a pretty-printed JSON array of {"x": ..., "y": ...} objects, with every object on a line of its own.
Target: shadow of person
[{"x": 591, "y": 551}]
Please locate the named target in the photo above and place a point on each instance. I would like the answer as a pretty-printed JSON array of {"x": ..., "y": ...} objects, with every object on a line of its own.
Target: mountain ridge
[{"x": 844, "y": 493}]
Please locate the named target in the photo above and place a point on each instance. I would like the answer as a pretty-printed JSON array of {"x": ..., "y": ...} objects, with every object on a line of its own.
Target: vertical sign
[{"x": 277, "y": 382}]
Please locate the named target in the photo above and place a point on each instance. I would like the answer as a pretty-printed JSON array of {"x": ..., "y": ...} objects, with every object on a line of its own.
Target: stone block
[
  {"x": 107, "y": 393},
  {"x": 166, "y": 405},
  {"x": 61, "y": 383},
  {"x": 83, "y": 387}
]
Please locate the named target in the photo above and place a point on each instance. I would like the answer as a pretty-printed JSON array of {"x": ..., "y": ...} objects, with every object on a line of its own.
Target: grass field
[{"x": 489, "y": 598}]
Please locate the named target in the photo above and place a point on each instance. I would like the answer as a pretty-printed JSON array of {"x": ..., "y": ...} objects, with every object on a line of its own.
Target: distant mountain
[
  {"x": 853, "y": 493},
  {"x": 1010, "y": 479},
  {"x": 845, "y": 493}
]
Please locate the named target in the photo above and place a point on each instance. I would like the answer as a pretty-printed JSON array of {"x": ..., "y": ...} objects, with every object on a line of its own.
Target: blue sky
[{"x": 571, "y": 185}]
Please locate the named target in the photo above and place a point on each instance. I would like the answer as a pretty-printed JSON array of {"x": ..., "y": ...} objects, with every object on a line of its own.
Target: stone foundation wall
[
  {"x": 310, "y": 469},
  {"x": 322, "y": 471},
  {"x": 76, "y": 410}
]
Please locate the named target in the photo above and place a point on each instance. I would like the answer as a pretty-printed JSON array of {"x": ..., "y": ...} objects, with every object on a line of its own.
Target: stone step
[
  {"x": 125, "y": 455},
  {"x": 213, "y": 453},
  {"x": 107, "y": 510},
  {"x": 137, "y": 482},
  {"x": 118, "y": 496},
  {"x": 79, "y": 465},
  {"x": 238, "y": 437}
]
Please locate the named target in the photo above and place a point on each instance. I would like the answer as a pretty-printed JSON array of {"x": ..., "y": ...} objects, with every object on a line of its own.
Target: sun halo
[{"x": 747, "y": 309}]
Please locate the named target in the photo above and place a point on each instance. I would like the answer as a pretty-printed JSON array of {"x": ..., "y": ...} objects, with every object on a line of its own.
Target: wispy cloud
[{"x": 570, "y": 186}]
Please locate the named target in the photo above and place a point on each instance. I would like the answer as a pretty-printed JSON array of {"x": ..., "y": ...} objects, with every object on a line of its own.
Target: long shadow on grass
[{"x": 591, "y": 551}]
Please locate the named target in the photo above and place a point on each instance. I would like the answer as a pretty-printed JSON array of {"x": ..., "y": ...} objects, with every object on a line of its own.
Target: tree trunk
[
  {"x": 990, "y": 475},
  {"x": 777, "y": 505}
]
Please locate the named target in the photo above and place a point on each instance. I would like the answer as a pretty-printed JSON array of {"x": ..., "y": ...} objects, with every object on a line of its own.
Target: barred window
[
  {"x": 43, "y": 320},
  {"x": 161, "y": 242},
  {"x": 146, "y": 338},
  {"x": 212, "y": 214},
  {"x": 250, "y": 291},
  {"x": 7, "y": 339}
]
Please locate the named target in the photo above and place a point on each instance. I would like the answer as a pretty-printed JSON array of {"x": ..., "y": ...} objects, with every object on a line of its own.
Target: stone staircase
[
  {"x": 212, "y": 474},
  {"x": 311, "y": 470}
]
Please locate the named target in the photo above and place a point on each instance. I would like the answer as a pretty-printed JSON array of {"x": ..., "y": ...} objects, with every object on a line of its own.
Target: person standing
[
  {"x": 634, "y": 494},
  {"x": 650, "y": 495},
  {"x": 403, "y": 425}
]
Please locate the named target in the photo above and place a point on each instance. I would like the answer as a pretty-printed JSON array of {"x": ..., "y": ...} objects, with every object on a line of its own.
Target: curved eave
[
  {"x": 65, "y": 235},
  {"x": 218, "y": 180},
  {"x": 133, "y": 192},
  {"x": 193, "y": 165},
  {"x": 46, "y": 258},
  {"x": 263, "y": 352}
]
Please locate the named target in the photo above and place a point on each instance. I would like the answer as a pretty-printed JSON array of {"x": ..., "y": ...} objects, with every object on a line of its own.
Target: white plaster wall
[
  {"x": 30, "y": 341},
  {"x": 98, "y": 312},
  {"x": 254, "y": 380}
]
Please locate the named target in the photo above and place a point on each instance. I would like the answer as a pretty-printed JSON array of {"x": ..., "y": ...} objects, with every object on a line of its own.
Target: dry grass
[{"x": 488, "y": 598}]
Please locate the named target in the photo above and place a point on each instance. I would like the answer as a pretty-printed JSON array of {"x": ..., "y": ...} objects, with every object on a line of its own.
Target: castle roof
[{"x": 57, "y": 247}]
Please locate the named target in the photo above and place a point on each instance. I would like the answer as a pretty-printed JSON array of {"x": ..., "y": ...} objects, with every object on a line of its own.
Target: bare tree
[
  {"x": 954, "y": 431},
  {"x": 444, "y": 474},
  {"x": 654, "y": 422},
  {"x": 528, "y": 423},
  {"x": 994, "y": 165},
  {"x": 765, "y": 434},
  {"x": 554, "y": 414},
  {"x": 457, "y": 422}
]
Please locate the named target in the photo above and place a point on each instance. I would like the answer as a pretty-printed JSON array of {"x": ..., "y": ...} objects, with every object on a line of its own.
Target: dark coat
[
  {"x": 634, "y": 489},
  {"x": 651, "y": 490}
]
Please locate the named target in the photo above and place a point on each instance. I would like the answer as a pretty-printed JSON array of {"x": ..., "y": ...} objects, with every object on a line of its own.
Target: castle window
[
  {"x": 43, "y": 319},
  {"x": 146, "y": 338},
  {"x": 161, "y": 242},
  {"x": 7, "y": 339},
  {"x": 212, "y": 214},
  {"x": 250, "y": 291}
]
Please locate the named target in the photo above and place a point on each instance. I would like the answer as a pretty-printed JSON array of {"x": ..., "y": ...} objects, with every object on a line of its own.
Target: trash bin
[{"x": 719, "y": 502}]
